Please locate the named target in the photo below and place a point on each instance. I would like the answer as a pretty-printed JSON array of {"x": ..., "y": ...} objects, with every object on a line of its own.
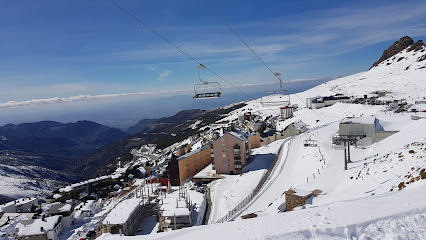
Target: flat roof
[
  {"x": 359, "y": 120},
  {"x": 121, "y": 213},
  {"x": 33, "y": 226},
  {"x": 172, "y": 206},
  {"x": 207, "y": 172}
]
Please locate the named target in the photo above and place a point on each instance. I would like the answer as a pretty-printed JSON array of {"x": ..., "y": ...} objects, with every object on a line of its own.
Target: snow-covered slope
[
  {"x": 399, "y": 215},
  {"x": 380, "y": 196}
]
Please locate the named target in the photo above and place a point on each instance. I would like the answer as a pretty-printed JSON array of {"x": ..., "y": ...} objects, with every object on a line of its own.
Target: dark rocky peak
[
  {"x": 397, "y": 47},
  {"x": 416, "y": 46}
]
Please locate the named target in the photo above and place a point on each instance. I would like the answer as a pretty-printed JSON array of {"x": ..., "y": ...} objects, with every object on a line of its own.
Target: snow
[
  {"x": 75, "y": 185},
  {"x": 196, "y": 145},
  {"x": 301, "y": 192},
  {"x": 34, "y": 227},
  {"x": 207, "y": 172},
  {"x": 399, "y": 215},
  {"x": 193, "y": 152},
  {"x": 65, "y": 208},
  {"x": 229, "y": 192},
  {"x": 148, "y": 226},
  {"x": 122, "y": 211},
  {"x": 359, "y": 120},
  {"x": 56, "y": 196},
  {"x": 380, "y": 196}
]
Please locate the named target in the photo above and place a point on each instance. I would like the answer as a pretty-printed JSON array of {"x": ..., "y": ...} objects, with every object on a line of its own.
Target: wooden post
[{"x": 174, "y": 216}]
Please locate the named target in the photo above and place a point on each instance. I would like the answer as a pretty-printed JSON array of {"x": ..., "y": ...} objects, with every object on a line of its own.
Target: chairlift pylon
[
  {"x": 278, "y": 97},
  {"x": 205, "y": 89}
]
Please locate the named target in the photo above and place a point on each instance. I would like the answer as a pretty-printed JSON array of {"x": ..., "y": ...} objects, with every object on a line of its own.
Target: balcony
[
  {"x": 237, "y": 157},
  {"x": 237, "y": 163},
  {"x": 238, "y": 167}
]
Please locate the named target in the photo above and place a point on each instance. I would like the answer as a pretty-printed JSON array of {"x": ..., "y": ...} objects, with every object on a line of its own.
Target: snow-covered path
[{"x": 291, "y": 172}]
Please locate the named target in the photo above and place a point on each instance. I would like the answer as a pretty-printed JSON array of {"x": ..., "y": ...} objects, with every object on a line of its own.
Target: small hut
[{"x": 297, "y": 197}]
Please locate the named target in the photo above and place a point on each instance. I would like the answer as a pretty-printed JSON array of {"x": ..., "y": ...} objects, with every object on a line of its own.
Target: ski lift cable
[
  {"x": 179, "y": 49},
  {"x": 276, "y": 74},
  {"x": 166, "y": 40}
]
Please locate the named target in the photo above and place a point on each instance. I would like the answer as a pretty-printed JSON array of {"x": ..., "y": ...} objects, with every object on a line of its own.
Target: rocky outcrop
[
  {"x": 416, "y": 46},
  {"x": 397, "y": 47}
]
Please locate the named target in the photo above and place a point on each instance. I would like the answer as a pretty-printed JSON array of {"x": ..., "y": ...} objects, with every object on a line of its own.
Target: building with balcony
[{"x": 230, "y": 153}]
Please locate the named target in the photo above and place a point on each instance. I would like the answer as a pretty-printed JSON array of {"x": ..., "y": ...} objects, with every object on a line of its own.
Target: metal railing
[{"x": 256, "y": 190}]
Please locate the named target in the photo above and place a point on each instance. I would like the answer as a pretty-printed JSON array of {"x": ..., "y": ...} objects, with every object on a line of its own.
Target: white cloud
[
  {"x": 163, "y": 75},
  {"x": 78, "y": 98}
]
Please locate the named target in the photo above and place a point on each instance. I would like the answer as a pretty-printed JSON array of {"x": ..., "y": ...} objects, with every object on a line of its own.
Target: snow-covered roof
[
  {"x": 17, "y": 202},
  {"x": 193, "y": 152},
  {"x": 359, "y": 120},
  {"x": 239, "y": 135},
  {"x": 56, "y": 208},
  {"x": 301, "y": 126},
  {"x": 75, "y": 185},
  {"x": 172, "y": 206},
  {"x": 23, "y": 201},
  {"x": 207, "y": 172},
  {"x": 300, "y": 192},
  {"x": 7, "y": 217},
  {"x": 122, "y": 211},
  {"x": 56, "y": 196},
  {"x": 34, "y": 226}
]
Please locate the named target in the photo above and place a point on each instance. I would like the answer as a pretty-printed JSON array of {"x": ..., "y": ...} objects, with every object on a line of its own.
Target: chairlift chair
[
  {"x": 278, "y": 97},
  {"x": 310, "y": 143},
  {"x": 205, "y": 89}
]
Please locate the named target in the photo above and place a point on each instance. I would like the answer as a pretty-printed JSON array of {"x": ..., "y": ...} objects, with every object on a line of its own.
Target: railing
[{"x": 259, "y": 186}]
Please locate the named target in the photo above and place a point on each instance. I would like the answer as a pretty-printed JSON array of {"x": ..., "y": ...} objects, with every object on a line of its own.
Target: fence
[{"x": 259, "y": 186}]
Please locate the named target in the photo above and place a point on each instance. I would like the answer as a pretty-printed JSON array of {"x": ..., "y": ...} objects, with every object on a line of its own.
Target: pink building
[{"x": 230, "y": 153}]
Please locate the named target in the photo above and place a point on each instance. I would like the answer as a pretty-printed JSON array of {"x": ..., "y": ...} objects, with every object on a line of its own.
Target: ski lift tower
[{"x": 347, "y": 140}]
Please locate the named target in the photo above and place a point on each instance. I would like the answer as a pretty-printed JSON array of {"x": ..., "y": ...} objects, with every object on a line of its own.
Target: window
[
  {"x": 237, "y": 149},
  {"x": 224, "y": 155}
]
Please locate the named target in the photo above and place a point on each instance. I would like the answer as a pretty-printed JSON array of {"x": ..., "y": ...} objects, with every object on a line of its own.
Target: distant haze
[{"x": 126, "y": 110}]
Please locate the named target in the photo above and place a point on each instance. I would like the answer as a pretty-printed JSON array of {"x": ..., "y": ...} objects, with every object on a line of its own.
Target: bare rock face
[
  {"x": 416, "y": 46},
  {"x": 397, "y": 47}
]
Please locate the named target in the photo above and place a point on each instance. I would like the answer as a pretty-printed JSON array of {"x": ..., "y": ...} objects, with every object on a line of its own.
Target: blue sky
[{"x": 67, "y": 48}]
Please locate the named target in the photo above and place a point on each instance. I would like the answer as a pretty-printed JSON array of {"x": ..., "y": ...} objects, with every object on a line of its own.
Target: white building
[
  {"x": 319, "y": 101},
  {"x": 87, "y": 209},
  {"x": 66, "y": 210},
  {"x": 20, "y": 205},
  {"x": 49, "y": 228},
  {"x": 368, "y": 126}
]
